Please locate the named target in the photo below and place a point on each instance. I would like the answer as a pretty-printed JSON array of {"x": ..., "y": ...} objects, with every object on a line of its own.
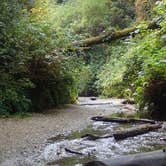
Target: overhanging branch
[{"x": 111, "y": 36}]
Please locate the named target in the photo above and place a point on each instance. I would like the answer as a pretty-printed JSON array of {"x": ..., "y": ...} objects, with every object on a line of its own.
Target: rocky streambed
[
  {"x": 48, "y": 139},
  {"x": 101, "y": 149}
]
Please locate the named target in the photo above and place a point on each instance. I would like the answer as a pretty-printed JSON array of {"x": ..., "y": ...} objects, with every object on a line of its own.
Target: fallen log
[
  {"x": 95, "y": 137},
  {"x": 134, "y": 131},
  {"x": 104, "y": 38},
  {"x": 155, "y": 158},
  {"x": 114, "y": 35},
  {"x": 84, "y": 104},
  {"x": 122, "y": 120}
]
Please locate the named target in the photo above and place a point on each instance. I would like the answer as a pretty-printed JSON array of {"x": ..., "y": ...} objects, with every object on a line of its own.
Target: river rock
[{"x": 155, "y": 158}]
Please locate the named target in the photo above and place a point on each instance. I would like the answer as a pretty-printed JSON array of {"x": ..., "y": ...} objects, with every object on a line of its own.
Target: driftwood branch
[
  {"x": 95, "y": 137},
  {"x": 73, "y": 152},
  {"x": 155, "y": 158},
  {"x": 122, "y": 120},
  {"x": 138, "y": 130}
]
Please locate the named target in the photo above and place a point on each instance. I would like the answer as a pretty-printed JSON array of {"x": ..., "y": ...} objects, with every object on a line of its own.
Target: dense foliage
[
  {"x": 32, "y": 77},
  {"x": 139, "y": 71},
  {"x": 90, "y": 17},
  {"x": 41, "y": 69}
]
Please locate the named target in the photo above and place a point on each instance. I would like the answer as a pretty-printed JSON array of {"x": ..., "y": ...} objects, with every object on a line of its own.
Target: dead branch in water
[
  {"x": 73, "y": 152},
  {"x": 95, "y": 137},
  {"x": 122, "y": 120}
]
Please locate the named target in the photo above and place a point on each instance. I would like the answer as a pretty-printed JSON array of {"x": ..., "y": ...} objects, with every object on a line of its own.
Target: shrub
[
  {"x": 93, "y": 16},
  {"x": 140, "y": 72},
  {"x": 151, "y": 92},
  {"x": 29, "y": 79},
  {"x": 54, "y": 85},
  {"x": 148, "y": 75},
  {"x": 110, "y": 78}
]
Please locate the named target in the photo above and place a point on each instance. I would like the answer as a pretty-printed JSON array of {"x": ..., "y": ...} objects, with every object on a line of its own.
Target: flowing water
[
  {"x": 20, "y": 136},
  {"x": 55, "y": 154}
]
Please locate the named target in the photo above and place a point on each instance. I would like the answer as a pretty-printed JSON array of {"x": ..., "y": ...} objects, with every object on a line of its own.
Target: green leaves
[
  {"x": 28, "y": 81},
  {"x": 91, "y": 17},
  {"x": 140, "y": 71}
]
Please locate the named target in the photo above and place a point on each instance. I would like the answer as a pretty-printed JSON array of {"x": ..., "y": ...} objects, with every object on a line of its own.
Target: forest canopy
[{"x": 42, "y": 68}]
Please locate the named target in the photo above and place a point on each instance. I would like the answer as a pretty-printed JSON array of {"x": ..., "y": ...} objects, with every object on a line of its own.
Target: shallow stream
[
  {"x": 55, "y": 154},
  {"x": 34, "y": 141}
]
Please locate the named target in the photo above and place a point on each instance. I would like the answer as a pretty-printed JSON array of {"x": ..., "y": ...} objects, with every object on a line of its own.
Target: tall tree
[{"x": 144, "y": 9}]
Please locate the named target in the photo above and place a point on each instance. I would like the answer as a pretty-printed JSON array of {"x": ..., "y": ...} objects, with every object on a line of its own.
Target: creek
[{"x": 55, "y": 153}]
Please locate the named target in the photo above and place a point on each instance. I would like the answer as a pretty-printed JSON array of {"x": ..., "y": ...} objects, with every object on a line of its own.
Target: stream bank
[
  {"x": 23, "y": 140},
  {"x": 41, "y": 140}
]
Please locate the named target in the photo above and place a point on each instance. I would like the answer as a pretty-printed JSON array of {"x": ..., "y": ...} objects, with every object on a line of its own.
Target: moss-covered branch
[
  {"x": 105, "y": 38},
  {"x": 111, "y": 36}
]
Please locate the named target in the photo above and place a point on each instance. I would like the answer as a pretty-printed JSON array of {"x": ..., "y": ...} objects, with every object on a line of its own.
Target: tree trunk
[
  {"x": 104, "y": 38},
  {"x": 144, "y": 9},
  {"x": 122, "y": 120}
]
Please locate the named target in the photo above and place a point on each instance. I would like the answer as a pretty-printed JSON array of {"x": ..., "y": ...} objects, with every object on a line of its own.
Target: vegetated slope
[
  {"x": 35, "y": 75},
  {"x": 140, "y": 72},
  {"x": 32, "y": 76},
  {"x": 39, "y": 70}
]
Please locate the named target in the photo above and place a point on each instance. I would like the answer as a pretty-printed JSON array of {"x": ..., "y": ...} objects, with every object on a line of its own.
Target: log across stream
[
  {"x": 149, "y": 125},
  {"x": 103, "y": 140},
  {"x": 123, "y": 120},
  {"x": 123, "y": 134}
]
